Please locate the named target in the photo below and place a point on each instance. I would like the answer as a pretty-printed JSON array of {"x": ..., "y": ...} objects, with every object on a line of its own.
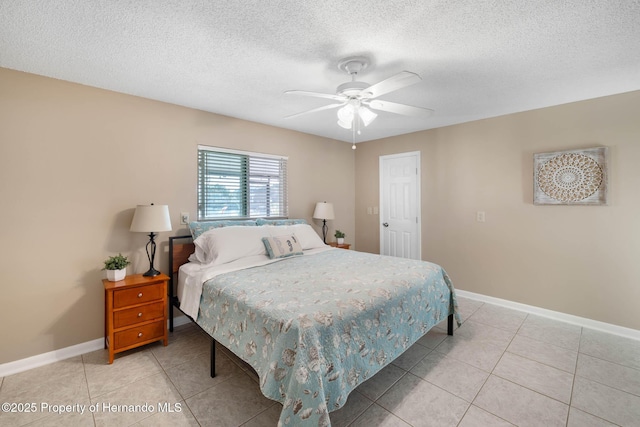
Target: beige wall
[
  {"x": 580, "y": 260},
  {"x": 75, "y": 161}
]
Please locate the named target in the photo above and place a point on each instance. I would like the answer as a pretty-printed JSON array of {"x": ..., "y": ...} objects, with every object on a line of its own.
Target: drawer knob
[
  {"x": 139, "y": 314},
  {"x": 139, "y": 334},
  {"x": 140, "y": 295}
]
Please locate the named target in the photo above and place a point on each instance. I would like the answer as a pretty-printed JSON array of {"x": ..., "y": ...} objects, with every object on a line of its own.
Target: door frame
[{"x": 417, "y": 196}]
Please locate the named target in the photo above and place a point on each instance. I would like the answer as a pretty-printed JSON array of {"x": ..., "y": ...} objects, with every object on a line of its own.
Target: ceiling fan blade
[
  {"x": 405, "y": 110},
  {"x": 316, "y": 94},
  {"x": 400, "y": 80},
  {"x": 315, "y": 110}
]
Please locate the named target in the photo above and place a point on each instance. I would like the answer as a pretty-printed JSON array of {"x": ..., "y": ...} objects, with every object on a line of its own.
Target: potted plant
[
  {"x": 339, "y": 237},
  {"x": 116, "y": 267}
]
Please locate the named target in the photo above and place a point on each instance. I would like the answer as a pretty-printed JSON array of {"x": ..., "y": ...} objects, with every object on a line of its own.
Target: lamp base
[
  {"x": 151, "y": 254},
  {"x": 151, "y": 273},
  {"x": 324, "y": 231}
]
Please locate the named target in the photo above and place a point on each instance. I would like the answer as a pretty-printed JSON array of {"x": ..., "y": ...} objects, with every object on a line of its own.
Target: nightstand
[
  {"x": 341, "y": 246},
  {"x": 135, "y": 312}
]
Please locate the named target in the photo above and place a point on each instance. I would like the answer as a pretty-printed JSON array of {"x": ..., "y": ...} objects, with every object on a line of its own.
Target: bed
[{"x": 313, "y": 321}]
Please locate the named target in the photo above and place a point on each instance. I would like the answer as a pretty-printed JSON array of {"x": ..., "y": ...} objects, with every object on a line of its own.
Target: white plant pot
[
  {"x": 116, "y": 275},
  {"x": 340, "y": 240}
]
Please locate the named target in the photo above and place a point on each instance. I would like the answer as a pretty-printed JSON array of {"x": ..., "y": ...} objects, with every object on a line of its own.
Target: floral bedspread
[{"x": 315, "y": 327}]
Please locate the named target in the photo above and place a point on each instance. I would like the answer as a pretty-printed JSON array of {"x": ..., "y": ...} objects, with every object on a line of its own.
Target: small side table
[
  {"x": 135, "y": 312},
  {"x": 341, "y": 246}
]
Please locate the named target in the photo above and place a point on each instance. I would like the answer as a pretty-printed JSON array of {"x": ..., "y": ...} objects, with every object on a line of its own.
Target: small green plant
[
  {"x": 117, "y": 262},
  {"x": 339, "y": 234}
]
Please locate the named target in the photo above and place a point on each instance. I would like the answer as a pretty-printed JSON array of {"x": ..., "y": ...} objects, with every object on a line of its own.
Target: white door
[{"x": 400, "y": 205}]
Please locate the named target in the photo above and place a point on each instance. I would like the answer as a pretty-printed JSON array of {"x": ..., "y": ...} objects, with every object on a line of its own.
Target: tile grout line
[
  {"x": 459, "y": 361},
  {"x": 595, "y": 381},
  {"x": 465, "y": 363},
  {"x": 575, "y": 374},
  {"x": 184, "y": 399},
  {"x": 543, "y": 363},
  {"x": 491, "y": 373},
  {"x": 574, "y": 381},
  {"x": 527, "y": 388},
  {"x": 86, "y": 380},
  {"x": 633, "y": 368}
]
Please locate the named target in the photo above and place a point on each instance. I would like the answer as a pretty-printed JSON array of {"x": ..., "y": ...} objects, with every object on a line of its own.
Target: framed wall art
[{"x": 576, "y": 177}]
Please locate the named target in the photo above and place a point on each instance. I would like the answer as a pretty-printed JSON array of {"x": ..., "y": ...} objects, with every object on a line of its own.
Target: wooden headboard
[
  {"x": 178, "y": 255},
  {"x": 179, "y": 252}
]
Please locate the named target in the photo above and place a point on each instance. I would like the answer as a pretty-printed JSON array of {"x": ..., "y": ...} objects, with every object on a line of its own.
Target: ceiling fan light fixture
[
  {"x": 355, "y": 100},
  {"x": 345, "y": 116},
  {"x": 349, "y": 112},
  {"x": 366, "y": 115}
]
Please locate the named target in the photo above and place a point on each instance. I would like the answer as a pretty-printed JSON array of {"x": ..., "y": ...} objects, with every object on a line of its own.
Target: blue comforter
[{"x": 316, "y": 326}]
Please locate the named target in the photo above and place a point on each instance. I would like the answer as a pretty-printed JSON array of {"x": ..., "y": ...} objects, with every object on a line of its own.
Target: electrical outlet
[
  {"x": 184, "y": 218},
  {"x": 480, "y": 216}
]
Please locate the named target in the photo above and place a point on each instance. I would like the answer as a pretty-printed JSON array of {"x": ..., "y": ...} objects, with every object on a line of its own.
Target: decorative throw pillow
[{"x": 282, "y": 246}]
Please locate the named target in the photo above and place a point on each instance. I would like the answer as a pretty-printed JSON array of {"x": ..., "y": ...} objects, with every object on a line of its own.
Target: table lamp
[
  {"x": 151, "y": 219},
  {"x": 324, "y": 211}
]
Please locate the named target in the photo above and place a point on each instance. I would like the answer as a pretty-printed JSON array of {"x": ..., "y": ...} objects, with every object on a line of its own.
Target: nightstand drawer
[
  {"x": 138, "y": 295},
  {"x": 135, "y": 335},
  {"x": 131, "y": 316}
]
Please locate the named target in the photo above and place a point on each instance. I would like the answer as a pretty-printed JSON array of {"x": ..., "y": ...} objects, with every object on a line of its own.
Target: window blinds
[{"x": 233, "y": 184}]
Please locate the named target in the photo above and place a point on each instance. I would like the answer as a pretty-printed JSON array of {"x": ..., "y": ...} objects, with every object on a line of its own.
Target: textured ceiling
[{"x": 477, "y": 59}]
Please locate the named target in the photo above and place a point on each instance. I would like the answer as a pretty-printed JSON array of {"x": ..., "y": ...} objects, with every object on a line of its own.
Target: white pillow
[
  {"x": 226, "y": 244},
  {"x": 307, "y": 236}
]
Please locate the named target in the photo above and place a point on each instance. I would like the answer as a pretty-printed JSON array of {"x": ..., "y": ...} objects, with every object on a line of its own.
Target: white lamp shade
[
  {"x": 323, "y": 210},
  {"x": 366, "y": 115},
  {"x": 151, "y": 219},
  {"x": 345, "y": 116}
]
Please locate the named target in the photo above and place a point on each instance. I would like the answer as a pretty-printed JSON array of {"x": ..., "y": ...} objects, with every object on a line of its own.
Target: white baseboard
[
  {"x": 50, "y": 357},
  {"x": 22, "y": 365},
  {"x": 555, "y": 315},
  {"x": 89, "y": 346}
]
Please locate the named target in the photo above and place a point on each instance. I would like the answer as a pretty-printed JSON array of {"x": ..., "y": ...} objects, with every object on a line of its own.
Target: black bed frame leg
[
  {"x": 213, "y": 358},
  {"x": 170, "y": 315},
  {"x": 450, "y": 325}
]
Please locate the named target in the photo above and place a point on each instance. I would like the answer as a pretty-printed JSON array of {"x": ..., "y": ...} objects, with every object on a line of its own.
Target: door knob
[{"x": 385, "y": 224}]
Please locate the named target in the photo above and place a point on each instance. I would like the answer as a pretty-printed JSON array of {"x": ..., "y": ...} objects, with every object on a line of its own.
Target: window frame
[{"x": 255, "y": 174}]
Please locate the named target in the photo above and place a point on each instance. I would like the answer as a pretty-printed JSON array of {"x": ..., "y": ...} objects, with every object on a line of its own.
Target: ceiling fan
[{"x": 356, "y": 99}]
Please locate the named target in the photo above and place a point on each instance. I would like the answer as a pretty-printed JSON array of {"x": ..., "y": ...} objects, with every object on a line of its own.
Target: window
[{"x": 237, "y": 184}]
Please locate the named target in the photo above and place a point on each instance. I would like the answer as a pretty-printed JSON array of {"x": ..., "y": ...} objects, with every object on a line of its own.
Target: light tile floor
[{"x": 501, "y": 368}]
